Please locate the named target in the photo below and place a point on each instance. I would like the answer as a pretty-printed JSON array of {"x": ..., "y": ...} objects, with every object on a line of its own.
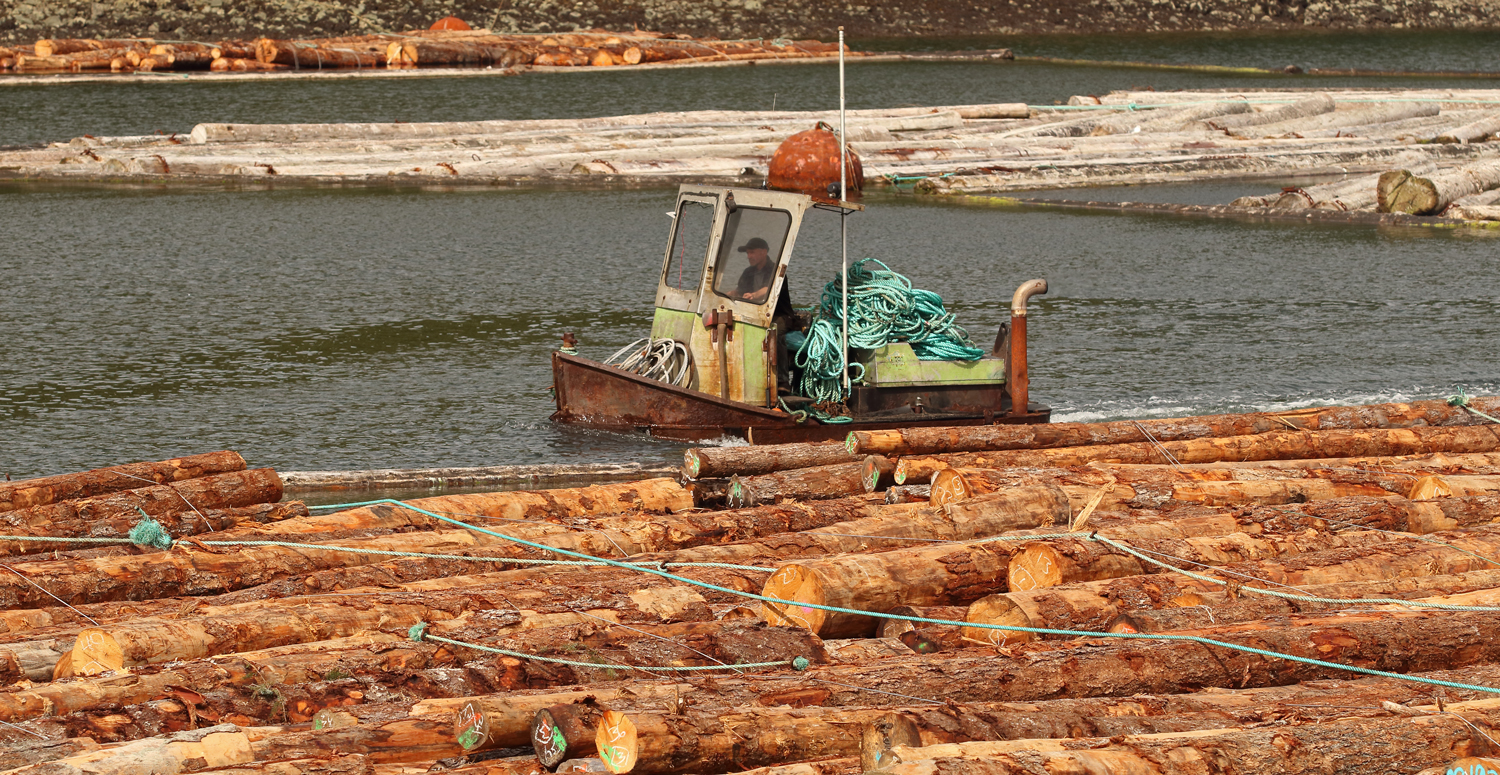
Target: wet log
[
  {"x": 563, "y": 732},
  {"x": 51, "y": 489},
  {"x": 1311, "y": 106},
  {"x": 1474, "y": 212},
  {"x": 1398, "y": 191},
  {"x": 217, "y": 491},
  {"x": 176, "y": 524},
  {"x": 48, "y": 47},
  {"x": 711, "y": 462},
  {"x": 839, "y": 480},
  {"x": 1056, "y": 562},
  {"x": 1391, "y": 744},
  {"x": 1401, "y": 568},
  {"x": 303, "y": 55},
  {"x": 1472, "y": 132},
  {"x": 915, "y": 441},
  {"x": 1273, "y": 445}
]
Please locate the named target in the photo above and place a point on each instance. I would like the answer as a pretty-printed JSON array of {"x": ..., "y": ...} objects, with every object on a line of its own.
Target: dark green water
[{"x": 406, "y": 327}]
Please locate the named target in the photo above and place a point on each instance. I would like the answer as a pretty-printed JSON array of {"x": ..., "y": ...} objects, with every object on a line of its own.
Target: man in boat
[{"x": 755, "y": 281}]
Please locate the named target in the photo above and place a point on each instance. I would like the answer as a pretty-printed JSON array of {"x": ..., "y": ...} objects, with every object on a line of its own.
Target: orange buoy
[
  {"x": 450, "y": 23},
  {"x": 808, "y": 162}
]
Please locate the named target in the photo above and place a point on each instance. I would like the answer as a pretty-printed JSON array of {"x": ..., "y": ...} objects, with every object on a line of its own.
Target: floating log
[
  {"x": 1475, "y": 212},
  {"x": 1472, "y": 132},
  {"x": 1405, "y": 744},
  {"x": 302, "y": 55},
  {"x": 38, "y": 492},
  {"x": 1311, "y": 106},
  {"x": 1399, "y": 191},
  {"x": 1092, "y": 606},
  {"x": 458, "y": 53},
  {"x": 839, "y": 480},
  {"x": 718, "y": 462},
  {"x": 216, "y": 491},
  {"x": 49, "y": 47},
  {"x": 1273, "y": 445},
  {"x": 1354, "y": 117}
]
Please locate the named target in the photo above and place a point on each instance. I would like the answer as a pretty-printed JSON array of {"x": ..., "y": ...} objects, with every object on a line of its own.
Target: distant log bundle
[
  {"x": 1399, "y": 191},
  {"x": 422, "y": 48}
]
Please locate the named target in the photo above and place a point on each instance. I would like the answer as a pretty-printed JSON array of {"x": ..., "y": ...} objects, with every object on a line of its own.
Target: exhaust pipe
[{"x": 1016, "y": 380}]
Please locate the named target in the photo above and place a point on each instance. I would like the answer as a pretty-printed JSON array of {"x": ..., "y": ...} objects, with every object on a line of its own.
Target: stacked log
[{"x": 1015, "y": 617}]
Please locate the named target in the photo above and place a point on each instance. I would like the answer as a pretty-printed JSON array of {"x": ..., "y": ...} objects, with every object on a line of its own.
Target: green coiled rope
[{"x": 883, "y": 308}]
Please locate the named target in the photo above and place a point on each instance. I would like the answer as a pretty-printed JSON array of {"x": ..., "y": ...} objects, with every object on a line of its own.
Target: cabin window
[
  {"x": 694, "y": 227},
  {"x": 749, "y": 253}
]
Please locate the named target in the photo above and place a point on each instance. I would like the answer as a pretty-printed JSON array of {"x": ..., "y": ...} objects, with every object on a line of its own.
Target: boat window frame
[
  {"x": 670, "y": 296},
  {"x": 778, "y": 272}
]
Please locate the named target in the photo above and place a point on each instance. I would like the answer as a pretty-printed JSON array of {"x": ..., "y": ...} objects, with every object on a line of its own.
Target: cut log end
[
  {"x": 1035, "y": 567},
  {"x": 616, "y": 740},
  {"x": 877, "y": 738},
  {"x": 1429, "y": 487},
  {"x": 563, "y": 732},
  {"x": 471, "y": 728},
  {"x": 948, "y": 486},
  {"x": 691, "y": 463},
  {"x": 794, "y": 583},
  {"x": 1001, "y": 610},
  {"x": 94, "y": 653}
]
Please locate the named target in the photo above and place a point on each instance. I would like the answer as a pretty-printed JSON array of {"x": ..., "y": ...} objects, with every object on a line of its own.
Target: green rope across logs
[{"x": 883, "y": 308}]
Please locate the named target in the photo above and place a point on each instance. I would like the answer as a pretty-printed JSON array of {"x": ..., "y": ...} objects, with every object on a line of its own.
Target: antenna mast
[{"x": 844, "y": 213}]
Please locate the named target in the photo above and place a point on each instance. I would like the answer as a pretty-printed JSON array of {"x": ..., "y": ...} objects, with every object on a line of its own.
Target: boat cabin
[{"x": 720, "y": 301}]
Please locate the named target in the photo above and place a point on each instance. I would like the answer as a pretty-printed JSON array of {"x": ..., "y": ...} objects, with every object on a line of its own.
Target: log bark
[
  {"x": 51, "y": 489},
  {"x": 1472, "y": 132},
  {"x": 989, "y": 438},
  {"x": 1311, "y": 106},
  {"x": 186, "y": 56},
  {"x": 1404, "y": 568},
  {"x": 217, "y": 746},
  {"x": 215, "y": 491},
  {"x": 957, "y": 573},
  {"x": 303, "y": 55},
  {"x": 1401, "y": 192},
  {"x": 459, "y": 53},
  {"x": 839, "y": 480},
  {"x": 398, "y": 740},
  {"x": 1249, "y": 608},
  {"x": 713, "y": 462},
  {"x": 176, "y": 524},
  {"x": 1066, "y": 561},
  {"x": 947, "y": 574},
  {"x": 60, "y": 46},
  {"x": 1273, "y": 445},
  {"x": 1399, "y": 744}
]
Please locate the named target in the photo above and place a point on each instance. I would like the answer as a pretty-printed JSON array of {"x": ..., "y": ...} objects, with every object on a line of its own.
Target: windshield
[
  {"x": 749, "y": 253},
  {"x": 695, "y": 224}
]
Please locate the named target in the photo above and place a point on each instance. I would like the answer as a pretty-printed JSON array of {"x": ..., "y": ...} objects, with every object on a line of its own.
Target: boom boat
[{"x": 719, "y": 364}]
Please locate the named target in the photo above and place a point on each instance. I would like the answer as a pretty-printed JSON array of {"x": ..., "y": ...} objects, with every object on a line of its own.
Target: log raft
[{"x": 279, "y": 660}]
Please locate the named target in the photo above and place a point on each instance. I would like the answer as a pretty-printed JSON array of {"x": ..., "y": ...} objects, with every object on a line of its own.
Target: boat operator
[{"x": 755, "y": 281}]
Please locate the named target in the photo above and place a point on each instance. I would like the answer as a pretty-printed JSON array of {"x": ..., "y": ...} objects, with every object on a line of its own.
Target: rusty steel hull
[{"x": 593, "y": 395}]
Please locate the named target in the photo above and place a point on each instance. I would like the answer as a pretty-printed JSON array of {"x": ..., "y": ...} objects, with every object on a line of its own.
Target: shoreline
[{"x": 26, "y": 20}]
